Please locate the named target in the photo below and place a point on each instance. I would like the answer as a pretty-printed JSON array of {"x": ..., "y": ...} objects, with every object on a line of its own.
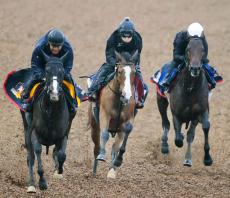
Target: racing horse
[
  {"x": 48, "y": 124},
  {"x": 116, "y": 116},
  {"x": 188, "y": 102}
]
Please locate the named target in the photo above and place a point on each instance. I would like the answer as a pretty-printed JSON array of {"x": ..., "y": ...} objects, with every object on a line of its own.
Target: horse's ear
[
  {"x": 118, "y": 56},
  {"x": 64, "y": 57},
  {"x": 135, "y": 56},
  {"x": 46, "y": 57}
]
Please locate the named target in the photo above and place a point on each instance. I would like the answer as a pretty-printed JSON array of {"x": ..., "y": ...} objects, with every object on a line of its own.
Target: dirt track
[{"x": 145, "y": 172}]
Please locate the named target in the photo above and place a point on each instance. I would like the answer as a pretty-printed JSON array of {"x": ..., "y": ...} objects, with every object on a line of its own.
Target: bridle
[{"x": 119, "y": 93}]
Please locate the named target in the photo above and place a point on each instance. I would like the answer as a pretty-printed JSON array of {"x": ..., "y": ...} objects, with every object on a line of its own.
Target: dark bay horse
[
  {"x": 188, "y": 103},
  {"x": 117, "y": 105},
  {"x": 49, "y": 124}
]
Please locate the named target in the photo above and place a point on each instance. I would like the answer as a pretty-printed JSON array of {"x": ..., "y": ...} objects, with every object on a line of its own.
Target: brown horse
[{"x": 117, "y": 107}]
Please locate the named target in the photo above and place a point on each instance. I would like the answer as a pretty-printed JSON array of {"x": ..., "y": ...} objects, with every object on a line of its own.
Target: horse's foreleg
[
  {"x": 190, "y": 138},
  {"x": 55, "y": 158},
  {"x": 61, "y": 156},
  {"x": 162, "y": 104},
  {"x": 114, "y": 153},
  {"x": 104, "y": 140},
  {"x": 119, "y": 158},
  {"x": 38, "y": 150},
  {"x": 30, "y": 161},
  {"x": 206, "y": 126},
  {"x": 104, "y": 124},
  {"x": 116, "y": 145},
  {"x": 179, "y": 137}
]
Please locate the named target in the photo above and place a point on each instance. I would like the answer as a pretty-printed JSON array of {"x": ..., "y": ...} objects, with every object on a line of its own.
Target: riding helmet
[
  {"x": 126, "y": 27},
  {"x": 195, "y": 29},
  {"x": 56, "y": 37}
]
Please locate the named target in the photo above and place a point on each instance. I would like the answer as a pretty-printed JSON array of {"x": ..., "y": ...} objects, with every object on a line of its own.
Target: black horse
[
  {"x": 188, "y": 102},
  {"x": 49, "y": 124}
]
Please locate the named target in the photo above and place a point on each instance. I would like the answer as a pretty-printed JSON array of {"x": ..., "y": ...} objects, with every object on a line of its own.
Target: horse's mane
[{"x": 127, "y": 56}]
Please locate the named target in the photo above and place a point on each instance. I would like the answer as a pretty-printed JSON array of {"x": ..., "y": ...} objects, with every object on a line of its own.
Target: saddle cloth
[{"x": 13, "y": 87}]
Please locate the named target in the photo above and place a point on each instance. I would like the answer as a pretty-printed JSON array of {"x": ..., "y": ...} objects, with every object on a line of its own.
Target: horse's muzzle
[
  {"x": 195, "y": 70},
  {"x": 54, "y": 97},
  {"x": 125, "y": 100}
]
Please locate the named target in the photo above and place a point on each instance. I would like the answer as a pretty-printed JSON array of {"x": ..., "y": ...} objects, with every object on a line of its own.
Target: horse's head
[
  {"x": 194, "y": 55},
  {"x": 54, "y": 74},
  {"x": 125, "y": 74}
]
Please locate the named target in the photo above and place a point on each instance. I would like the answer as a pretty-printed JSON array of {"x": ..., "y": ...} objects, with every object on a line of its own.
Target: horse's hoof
[
  {"x": 179, "y": 143},
  {"x": 188, "y": 162},
  {"x": 43, "y": 185},
  {"x": 57, "y": 176},
  {"x": 31, "y": 189},
  {"x": 101, "y": 157},
  {"x": 164, "y": 149},
  {"x": 117, "y": 162},
  {"x": 208, "y": 162},
  {"x": 111, "y": 174}
]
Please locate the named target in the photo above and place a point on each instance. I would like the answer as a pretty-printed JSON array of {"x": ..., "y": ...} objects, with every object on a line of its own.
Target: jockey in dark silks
[
  {"x": 124, "y": 39},
  {"x": 53, "y": 43},
  {"x": 171, "y": 69}
]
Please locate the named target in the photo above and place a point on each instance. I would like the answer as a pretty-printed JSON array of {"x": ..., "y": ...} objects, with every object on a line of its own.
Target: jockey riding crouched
[
  {"x": 53, "y": 43},
  {"x": 124, "y": 39},
  {"x": 171, "y": 69}
]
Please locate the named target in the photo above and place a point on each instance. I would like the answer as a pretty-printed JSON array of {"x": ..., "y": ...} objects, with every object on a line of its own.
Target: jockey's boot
[
  {"x": 165, "y": 83},
  {"x": 25, "y": 103},
  {"x": 92, "y": 91},
  {"x": 103, "y": 76},
  {"x": 211, "y": 75},
  {"x": 140, "y": 103},
  {"x": 168, "y": 74}
]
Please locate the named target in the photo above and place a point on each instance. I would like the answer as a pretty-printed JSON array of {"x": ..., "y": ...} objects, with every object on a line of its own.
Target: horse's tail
[
  {"x": 47, "y": 150},
  {"x": 187, "y": 124}
]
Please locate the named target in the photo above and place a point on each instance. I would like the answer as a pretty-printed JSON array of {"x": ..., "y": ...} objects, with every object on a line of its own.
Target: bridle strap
[{"x": 116, "y": 93}]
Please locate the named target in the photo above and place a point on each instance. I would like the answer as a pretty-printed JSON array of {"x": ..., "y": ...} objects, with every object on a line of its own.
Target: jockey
[
  {"x": 53, "y": 43},
  {"x": 171, "y": 69},
  {"x": 124, "y": 39}
]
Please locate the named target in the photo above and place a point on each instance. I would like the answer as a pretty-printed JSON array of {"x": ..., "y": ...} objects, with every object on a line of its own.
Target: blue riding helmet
[
  {"x": 126, "y": 28},
  {"x": 56, "y": 37}
]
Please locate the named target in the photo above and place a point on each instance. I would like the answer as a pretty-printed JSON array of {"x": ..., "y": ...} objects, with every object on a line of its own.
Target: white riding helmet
[{"x": 195, "y": 29}]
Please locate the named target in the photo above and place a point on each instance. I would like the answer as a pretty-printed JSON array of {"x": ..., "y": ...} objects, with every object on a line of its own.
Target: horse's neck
[
  {"x": 114, "y": 87},
  {"x": 114, "y": 84}
]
